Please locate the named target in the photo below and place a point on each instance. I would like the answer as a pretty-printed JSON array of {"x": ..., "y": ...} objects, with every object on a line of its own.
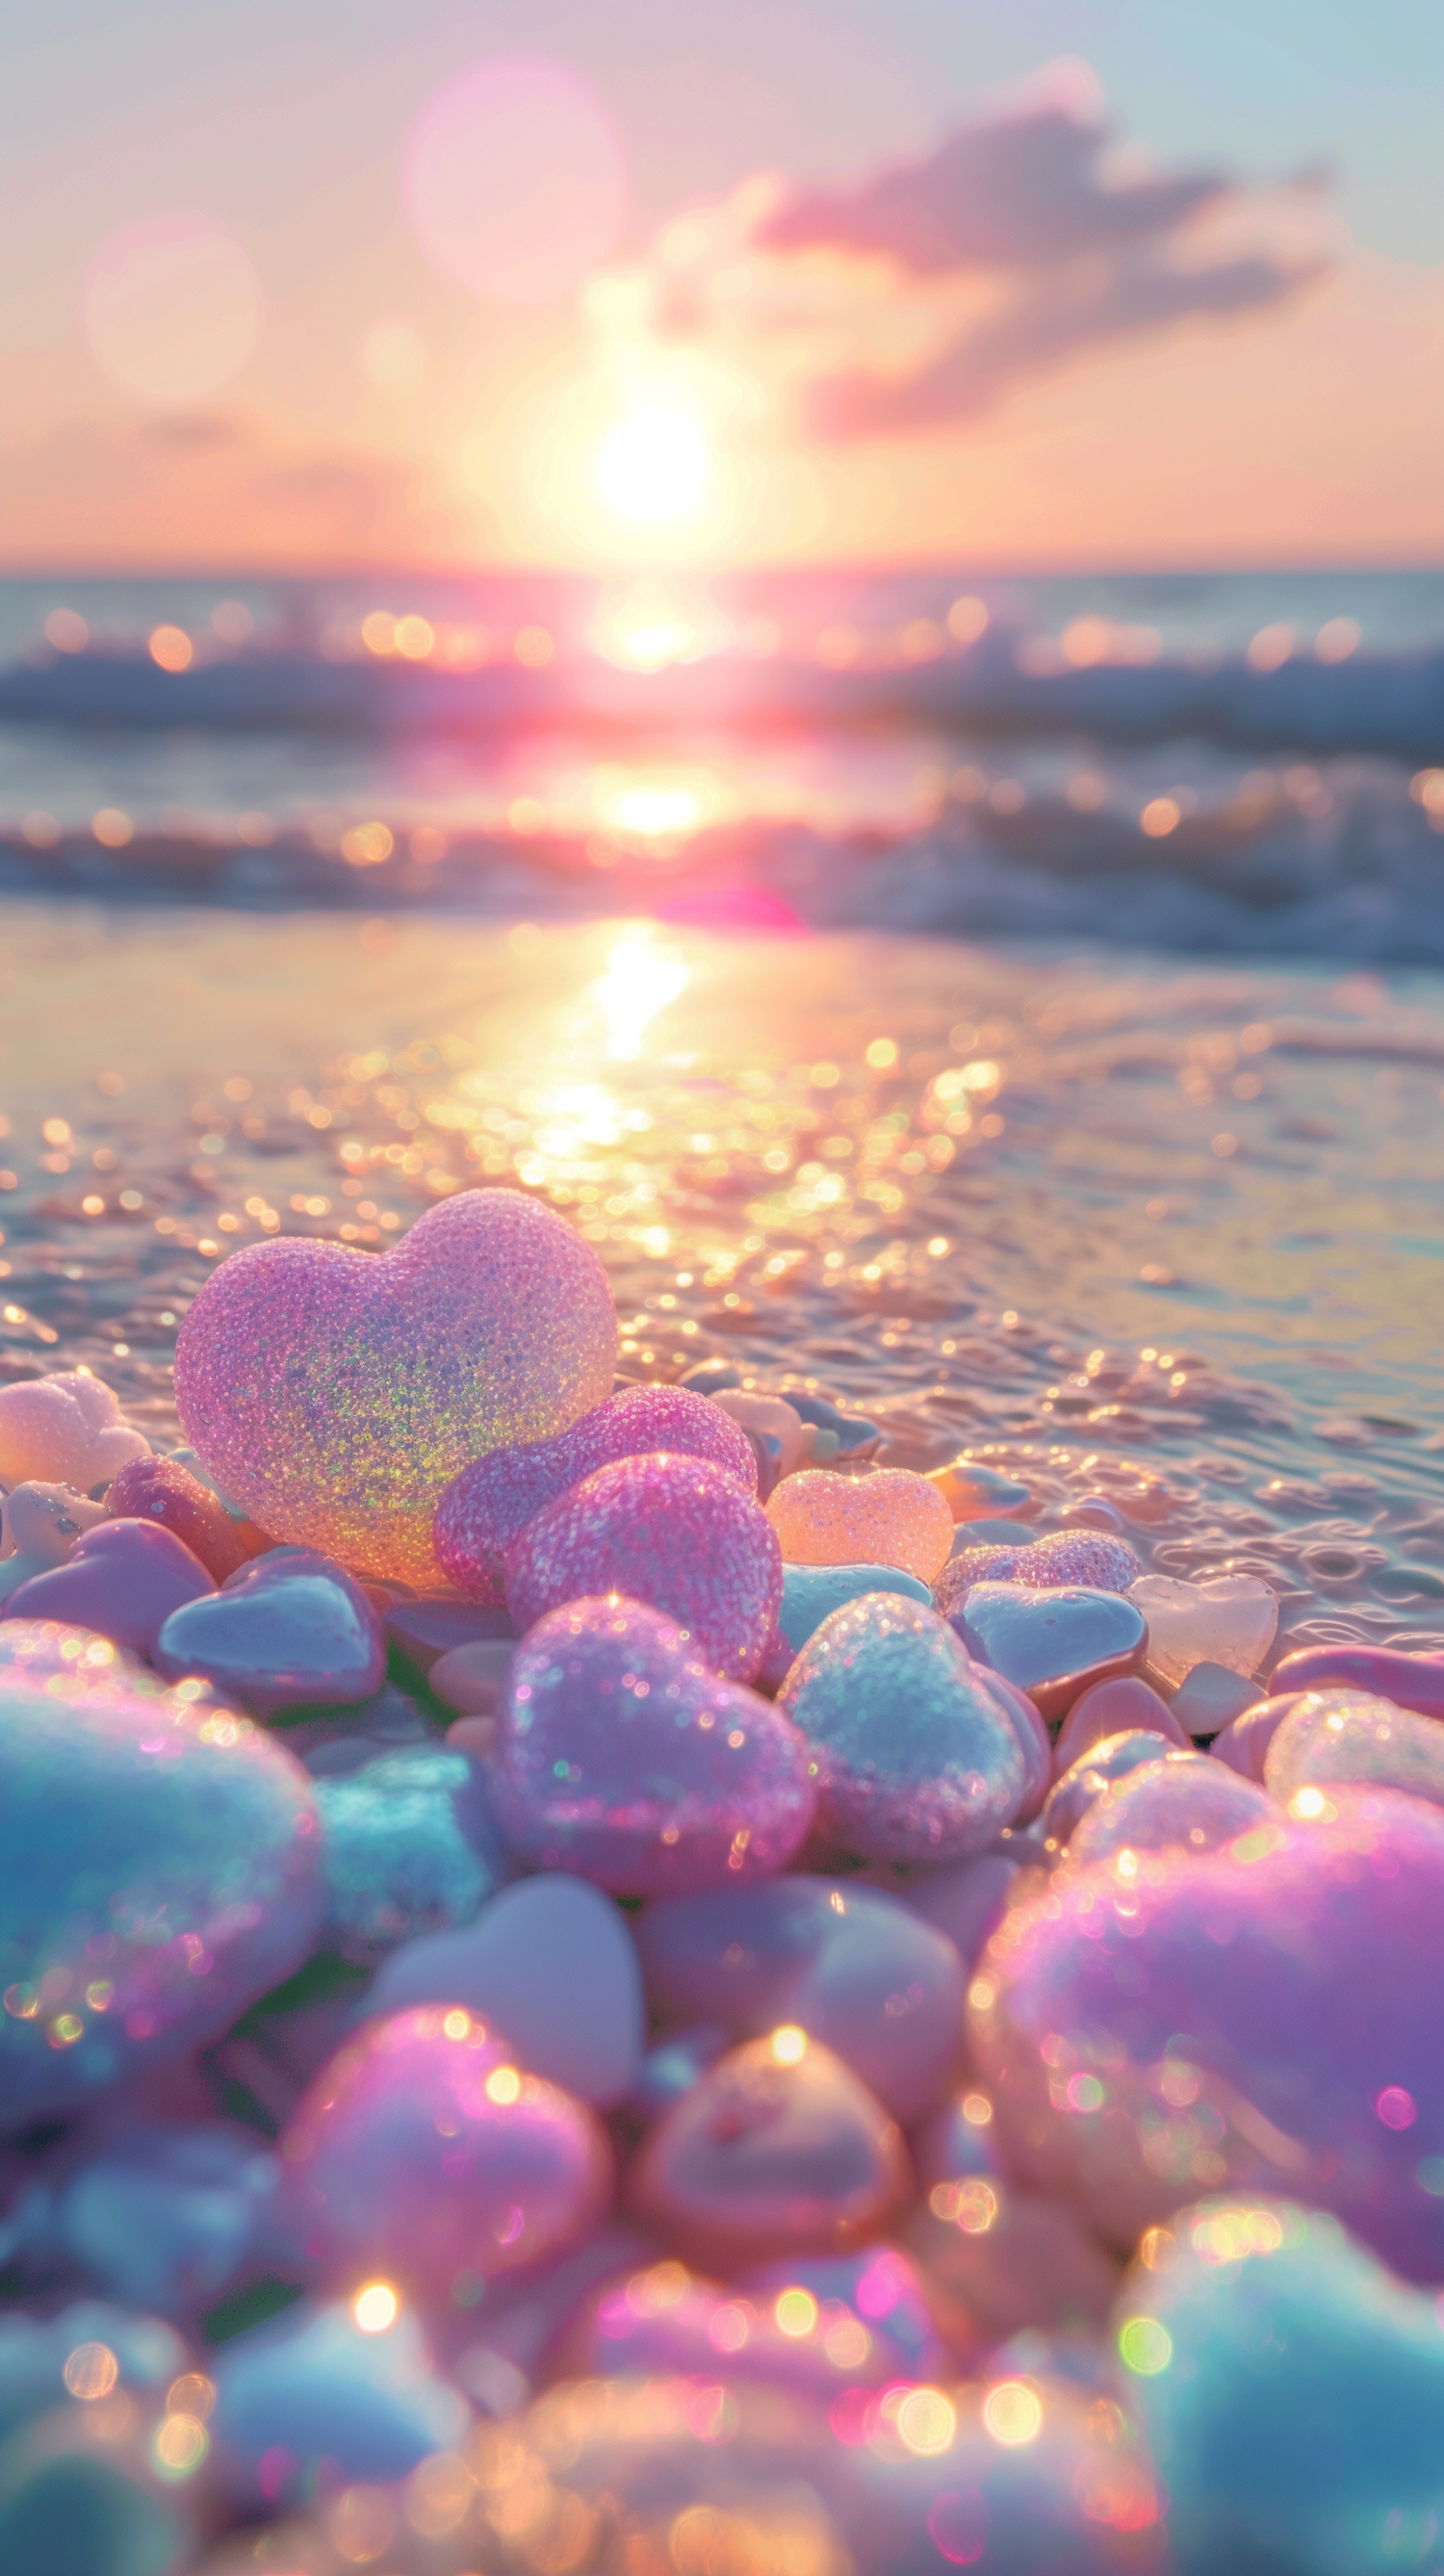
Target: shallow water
[{"x": 1140, "y": 1229}]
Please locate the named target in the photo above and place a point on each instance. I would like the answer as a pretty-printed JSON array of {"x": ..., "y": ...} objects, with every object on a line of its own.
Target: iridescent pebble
[
  {"x": 1093, "y": 1774},
  {"x": 890, "y": 1517},
  {"x": 1231, "y": 1619},
  {"x": 778, "y": 2149},
  {"x": 677, "y": 1534},
  {"x": 1044, "y": 1564},
  {"x": 1252, "y": 2325},
  {"x": 325, "y": 2392},
  {"x": 914, "y": 1758},
  {"x": 334, "y": 1394},
  {"x": 123, "y": 1579},
  {"x": 1244, "y": 1744},
  {"x": 424, "y": 2152},
  {"x": 161, "y": 1490},
  {"x": 409, "y": 1846},
  {"x": 810, "y": 1593},
  {"x": 554, "y": 1964},
  {"x": 473, "y": 1679},
  {"x": 1119, "y": 1707},
  {"x": 623, "y": 1758},
  {"x": 1411, "y": 1681},
  {"x": 291, "y": 1630},
  {"x": 849, "y": 1965},
  {"x": 1185, "y": 1800},
  {"x": 1330, "y": 1736},
  {"x": 969, "y": 1488},
  {"x": 159, "y": 1867},
  {"x": 64, "y": 1430},
  {"x": 1260, "y": 2008},
  {"x": 490, "y": 1502},
  {"x": 1053, "y": 1644}
]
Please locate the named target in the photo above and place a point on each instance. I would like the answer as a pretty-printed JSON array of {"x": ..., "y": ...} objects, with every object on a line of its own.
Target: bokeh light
[
  {"x": 171, "y": 308},
  {"x": 653, "y": 466},
  {"x": 514, "y": 181}
]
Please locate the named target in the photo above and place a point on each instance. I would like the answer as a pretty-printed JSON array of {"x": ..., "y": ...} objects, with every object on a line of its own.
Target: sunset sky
[{"x": 325, "y": 282}]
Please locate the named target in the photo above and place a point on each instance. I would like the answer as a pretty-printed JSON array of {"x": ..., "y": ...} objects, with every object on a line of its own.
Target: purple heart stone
[
  {"x": 291, "y": 1630},
  {"x": 123, "y": 1580}
]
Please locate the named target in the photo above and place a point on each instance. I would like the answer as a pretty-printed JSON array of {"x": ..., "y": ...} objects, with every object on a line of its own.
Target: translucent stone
[{"x": 888, "y": 1518}]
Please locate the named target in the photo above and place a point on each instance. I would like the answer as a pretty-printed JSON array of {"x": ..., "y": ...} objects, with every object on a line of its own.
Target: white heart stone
[
  {"x": 1230, "y": 1620},
  {"x": 552, "y": 1963}
]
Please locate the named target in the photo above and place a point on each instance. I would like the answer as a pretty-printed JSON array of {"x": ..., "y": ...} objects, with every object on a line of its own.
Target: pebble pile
[{"x": 596, "y": 1983}]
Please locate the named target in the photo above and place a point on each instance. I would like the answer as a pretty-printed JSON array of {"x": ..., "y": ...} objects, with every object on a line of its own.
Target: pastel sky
[{"x": 331, "y": 282}]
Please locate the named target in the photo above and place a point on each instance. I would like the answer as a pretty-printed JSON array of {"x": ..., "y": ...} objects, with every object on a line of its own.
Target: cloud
[{"x": 930, "y": 289}]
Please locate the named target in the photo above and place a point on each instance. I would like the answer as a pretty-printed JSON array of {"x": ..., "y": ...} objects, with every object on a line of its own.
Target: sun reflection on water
[{"x": 639, "y": 982}]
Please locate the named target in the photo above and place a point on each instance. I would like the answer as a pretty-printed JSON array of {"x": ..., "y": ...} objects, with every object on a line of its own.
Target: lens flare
[{"x": 653, "y": 466}]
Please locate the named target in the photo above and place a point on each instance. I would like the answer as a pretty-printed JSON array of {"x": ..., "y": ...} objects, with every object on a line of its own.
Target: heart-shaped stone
[
  {"x": 291, "y": 1630},
  {"x": 1411, "y": 1681},
  {"x": 676, "y": 1533},
  {"x": 888, "y": 1518},
  {"x": 66, "y": 1431},
  {"x": 422, "y": 2151},
  {"x": 1052, "y": 1644},
  {"x": 914, "y": 1756},
  {"x": 334, "y": 1395},
  {"x": 1064, "y": 1557},
  {"x": 124, "y": 1579},
  {"x": 1335, "y": 1736},
  {"x": 161, "y": 1490},
  {"x": 159, "y": 1867},
  {"x": 1250, "y": 2327},
  {"x": 552, "y": 1963},
  {"x": 1254, "y": 2016},
  {"x": 490, "y": 1502},
  {"x": 777, "y": 2150},
  {"x": 850, "y": 1966},
  {"x": 1231, "y": 1620},
  {"x": 1093, "y": 1774},
  {"x": 317, "y": 2394},
  {"x": 1183, "y": 1799},
  {"x": 810, "y": 1594},
  {"x": 623, "y": 1758}
]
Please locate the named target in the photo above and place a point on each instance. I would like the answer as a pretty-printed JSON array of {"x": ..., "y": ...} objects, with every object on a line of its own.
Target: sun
[{"x": 653, "y": 465}]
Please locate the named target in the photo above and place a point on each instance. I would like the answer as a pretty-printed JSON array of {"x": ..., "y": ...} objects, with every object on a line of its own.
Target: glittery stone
[
  {"x": 1254, "y": 2325},
  {"x": 315, "y": 2394},
  {"x": 852, "y": 1967},
  {"x": 777, "y": 2150},
  {"x": 1332, "y": 1736},
  {"x": 123, "y": 1579},
  {"x": 888, "y": 1518},
  {"x": 1260, "y": 2007},
  {"x": 157, "y": 1489},
  {"x": 490, "y": 1502},
  {"x": 334, "y": 1395},
  {"x": 1229, "y": 1620},
  {"x": 1094, "y": 1772},
  {"x": 914, "y": 1757},
  {"x": 159, "y": 1867},
  {"x": 678, "y": 1534},
  {"x": 424, "y": 2151},
  {"x": 1185, "y": 1800},
  {"x": 408, "y": 1846},
  {"x": 552, "y": 1962},
  {"x": 1053, "y": 1644},
  {"x": 624, "y": 1758},
  {"x": 65, "y": 1430},
  {"x": 1045, "y": 1564},
  {"x": 291, "y": 1630}
]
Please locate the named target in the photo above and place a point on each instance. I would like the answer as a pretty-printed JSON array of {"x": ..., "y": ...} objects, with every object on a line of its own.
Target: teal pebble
[
  {"x": 810, "y": 1593},
  {"x": 408, "y": 1846}
]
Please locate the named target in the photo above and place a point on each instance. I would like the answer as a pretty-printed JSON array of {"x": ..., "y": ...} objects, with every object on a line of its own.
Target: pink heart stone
[
  {"x": 623, "y": 1758},
  {"x": 1411, "y": 1681},
  {"x": 1250, "y": 2021},
  {"x": 1104, "y": 1564},
  {"x": 64, "y": 1430},
  {"x": 1121, "y": 1707},
  {"x": 124, "y": 1579},
  {"x": 334, "y": 1395},
  {"x": 490, "y": 1502},
  {"x": 888, "y": 1518},
  {"x": 676, "y": 1533},
  {"x": 161, "y": 1490},
  {"x": 423, "y": 2150},
  {"x": 777, "y": 2149}
]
